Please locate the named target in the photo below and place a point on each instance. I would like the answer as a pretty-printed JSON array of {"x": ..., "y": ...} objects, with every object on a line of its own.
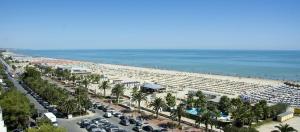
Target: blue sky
[{"x": 150, "y": 24}]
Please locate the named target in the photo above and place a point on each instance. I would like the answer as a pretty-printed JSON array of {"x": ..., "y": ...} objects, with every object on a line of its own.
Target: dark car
[
  {"x": 138, "y": 123},
  {"x": 148, "y": 128},
  {"x": 132, "y": 121},
  {"x": 124, "y": 122},
  {"x": 137, "y": 128},
  {"x": 123, "y": 117}
]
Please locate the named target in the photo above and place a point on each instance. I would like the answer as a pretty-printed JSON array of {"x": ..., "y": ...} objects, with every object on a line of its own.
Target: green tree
[
  {"x": 224, "y": 104},
  {"x": 134, "y": 91},
  {"x": 190, "y": 102},
  {"x": 16, "y": 109},
  {"x": 206, "y": 118},
  {"x": 157, "y": 104},
  {"x": 200, "y": 102},
  {"x": 85, "y": 82},
  {"x": 259, "y": 112},
  {"x": 118, "y": 90},
  {"x": 285, "y": 128},
  {"x": 266, "y": 109},
  {"x": 139, "y": 97},
  {"x": 82, "y": 98},
  {"x": 68, "y": 106},
  {"x": 104, "y": 86},
  {"x": 46, "y": 128},
  {"x": 178, "y": 113},
  {"x": 43, "y": 121},
  {"x": 14, "y": 67},
  {"x": 170, "y": 100}
]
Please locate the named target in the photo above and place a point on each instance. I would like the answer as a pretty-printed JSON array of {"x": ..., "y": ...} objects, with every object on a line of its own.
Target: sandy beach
[{"x": 174, "y": 81}]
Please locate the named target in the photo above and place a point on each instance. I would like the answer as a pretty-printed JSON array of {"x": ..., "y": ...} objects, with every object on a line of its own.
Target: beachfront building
[
  {"x": 2, "y": 126},
  {"x": 128, "y": 83},
  {"x": 151, "y": 88},
  {"x": 75, "y": 70},
  {"x": 285, "y": 116}
]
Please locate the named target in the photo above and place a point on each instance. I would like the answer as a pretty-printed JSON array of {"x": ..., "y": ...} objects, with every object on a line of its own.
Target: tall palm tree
[
  {"x": 97, "y": 78},
  {"x": 285, "y": 128},
  {"x": 73, "y": 78},
  {"x": 200, "y": 102},
  {"x": 134, "y": 91},
  {"x": 118, "y": 90},
  {"x": 190, "y": 102},
  {"x": 258, "y": 111},
  {"x": 105, "y": 85},
  {"x": 85, "y": 82},
  {"x": 157, "y": 104},
  {"x": 206, "y": 118},
  {"x": 179, "y": 112},
  {"x": 139, "y": 97}
]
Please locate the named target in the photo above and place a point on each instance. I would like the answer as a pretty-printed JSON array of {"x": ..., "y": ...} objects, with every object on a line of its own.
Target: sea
[{"x": 267, "y": 64}]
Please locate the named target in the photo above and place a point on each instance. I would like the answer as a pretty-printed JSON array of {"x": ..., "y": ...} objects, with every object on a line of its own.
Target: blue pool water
[
  {"x": 280, "y": 65},
  {"x": 192, "y": 111}
]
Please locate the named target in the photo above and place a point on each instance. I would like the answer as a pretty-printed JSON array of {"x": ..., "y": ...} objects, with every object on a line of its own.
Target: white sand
[{"x": 176, "y": 82}]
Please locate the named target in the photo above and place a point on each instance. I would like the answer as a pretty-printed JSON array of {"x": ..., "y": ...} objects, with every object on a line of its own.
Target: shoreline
[
  {"x": 179, "y": 83},
  {"x": 254, "y": 80}
]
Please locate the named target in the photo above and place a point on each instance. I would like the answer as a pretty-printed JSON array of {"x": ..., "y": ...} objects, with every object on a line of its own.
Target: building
[
  {"x": 151, "y": 88},
  {"x": 75, "y": 70},
  {"x": 2, "y": 125},
  {"x": 285, "y": 116}
]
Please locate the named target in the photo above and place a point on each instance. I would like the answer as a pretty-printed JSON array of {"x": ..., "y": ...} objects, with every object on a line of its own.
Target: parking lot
[{"x": 116, "y": 122}]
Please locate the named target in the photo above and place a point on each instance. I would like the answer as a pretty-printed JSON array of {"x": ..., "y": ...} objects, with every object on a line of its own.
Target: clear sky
[{"x": 150, "y": 24}]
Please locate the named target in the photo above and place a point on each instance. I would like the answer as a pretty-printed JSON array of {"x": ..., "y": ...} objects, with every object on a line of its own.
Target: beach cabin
[
  {"x": 285, "y": 116},
  {"x": 151, "y": 88}
]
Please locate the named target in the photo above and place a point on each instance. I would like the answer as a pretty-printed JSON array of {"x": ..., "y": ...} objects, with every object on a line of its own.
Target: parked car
[
  {"x": 132, "y": 121},
  {"x": 84, "y": 123},
  {"x": 91, "y": 126},
  {"x": 125, "y": 122},
  {"x": 117, "y": 114},
  {"x": 137, "y": 128},
  {"x": 107, "y": 115},
  {"x": 123, "y": 117},
  {"x": 138, "y": 123},
  {"x": 148, "y": 128}
]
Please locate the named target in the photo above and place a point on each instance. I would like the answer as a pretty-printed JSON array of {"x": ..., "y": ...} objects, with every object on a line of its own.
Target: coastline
[
  {"x": 180, "y": 83},
  {"x": 255, "y": 80}
]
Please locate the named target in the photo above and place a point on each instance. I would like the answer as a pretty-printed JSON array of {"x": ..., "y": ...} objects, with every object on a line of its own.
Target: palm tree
[
  {"x": 200, "y": 102},
  {"x": 134, "y": 91},
  {"x": 258, "y": 111},
  {"x": 285, "y": 128},
  {"x": 157, "y": 104},
  {"x": 73, "y": 78},
  {"x": 190, "y": 102},
  {"x": 224, "y": 104},
  {"x": 206, "y": 118},
  {"x": 118, "y": 90},
  {"x": 68, "y": 106},
  {"x": 104, "y": 86},
  {"x": 139, "y": 97},
  {"x": 85, "y": 82},
  {"x": 179, "y": 112},
  {"x": 82, "y": 98},
  {"x": 97, "y": 78}
]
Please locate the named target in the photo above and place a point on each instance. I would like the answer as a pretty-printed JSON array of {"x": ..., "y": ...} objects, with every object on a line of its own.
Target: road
[
  {"x": 70, "y": 124},
  {"x": 38, "y": 106}
]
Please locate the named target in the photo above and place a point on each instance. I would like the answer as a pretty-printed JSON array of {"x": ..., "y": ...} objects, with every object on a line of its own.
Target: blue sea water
[{"x": 280, "y": 65}]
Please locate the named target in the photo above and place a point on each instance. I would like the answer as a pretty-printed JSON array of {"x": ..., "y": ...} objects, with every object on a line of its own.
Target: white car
[{"x": 107, "y": 114}]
